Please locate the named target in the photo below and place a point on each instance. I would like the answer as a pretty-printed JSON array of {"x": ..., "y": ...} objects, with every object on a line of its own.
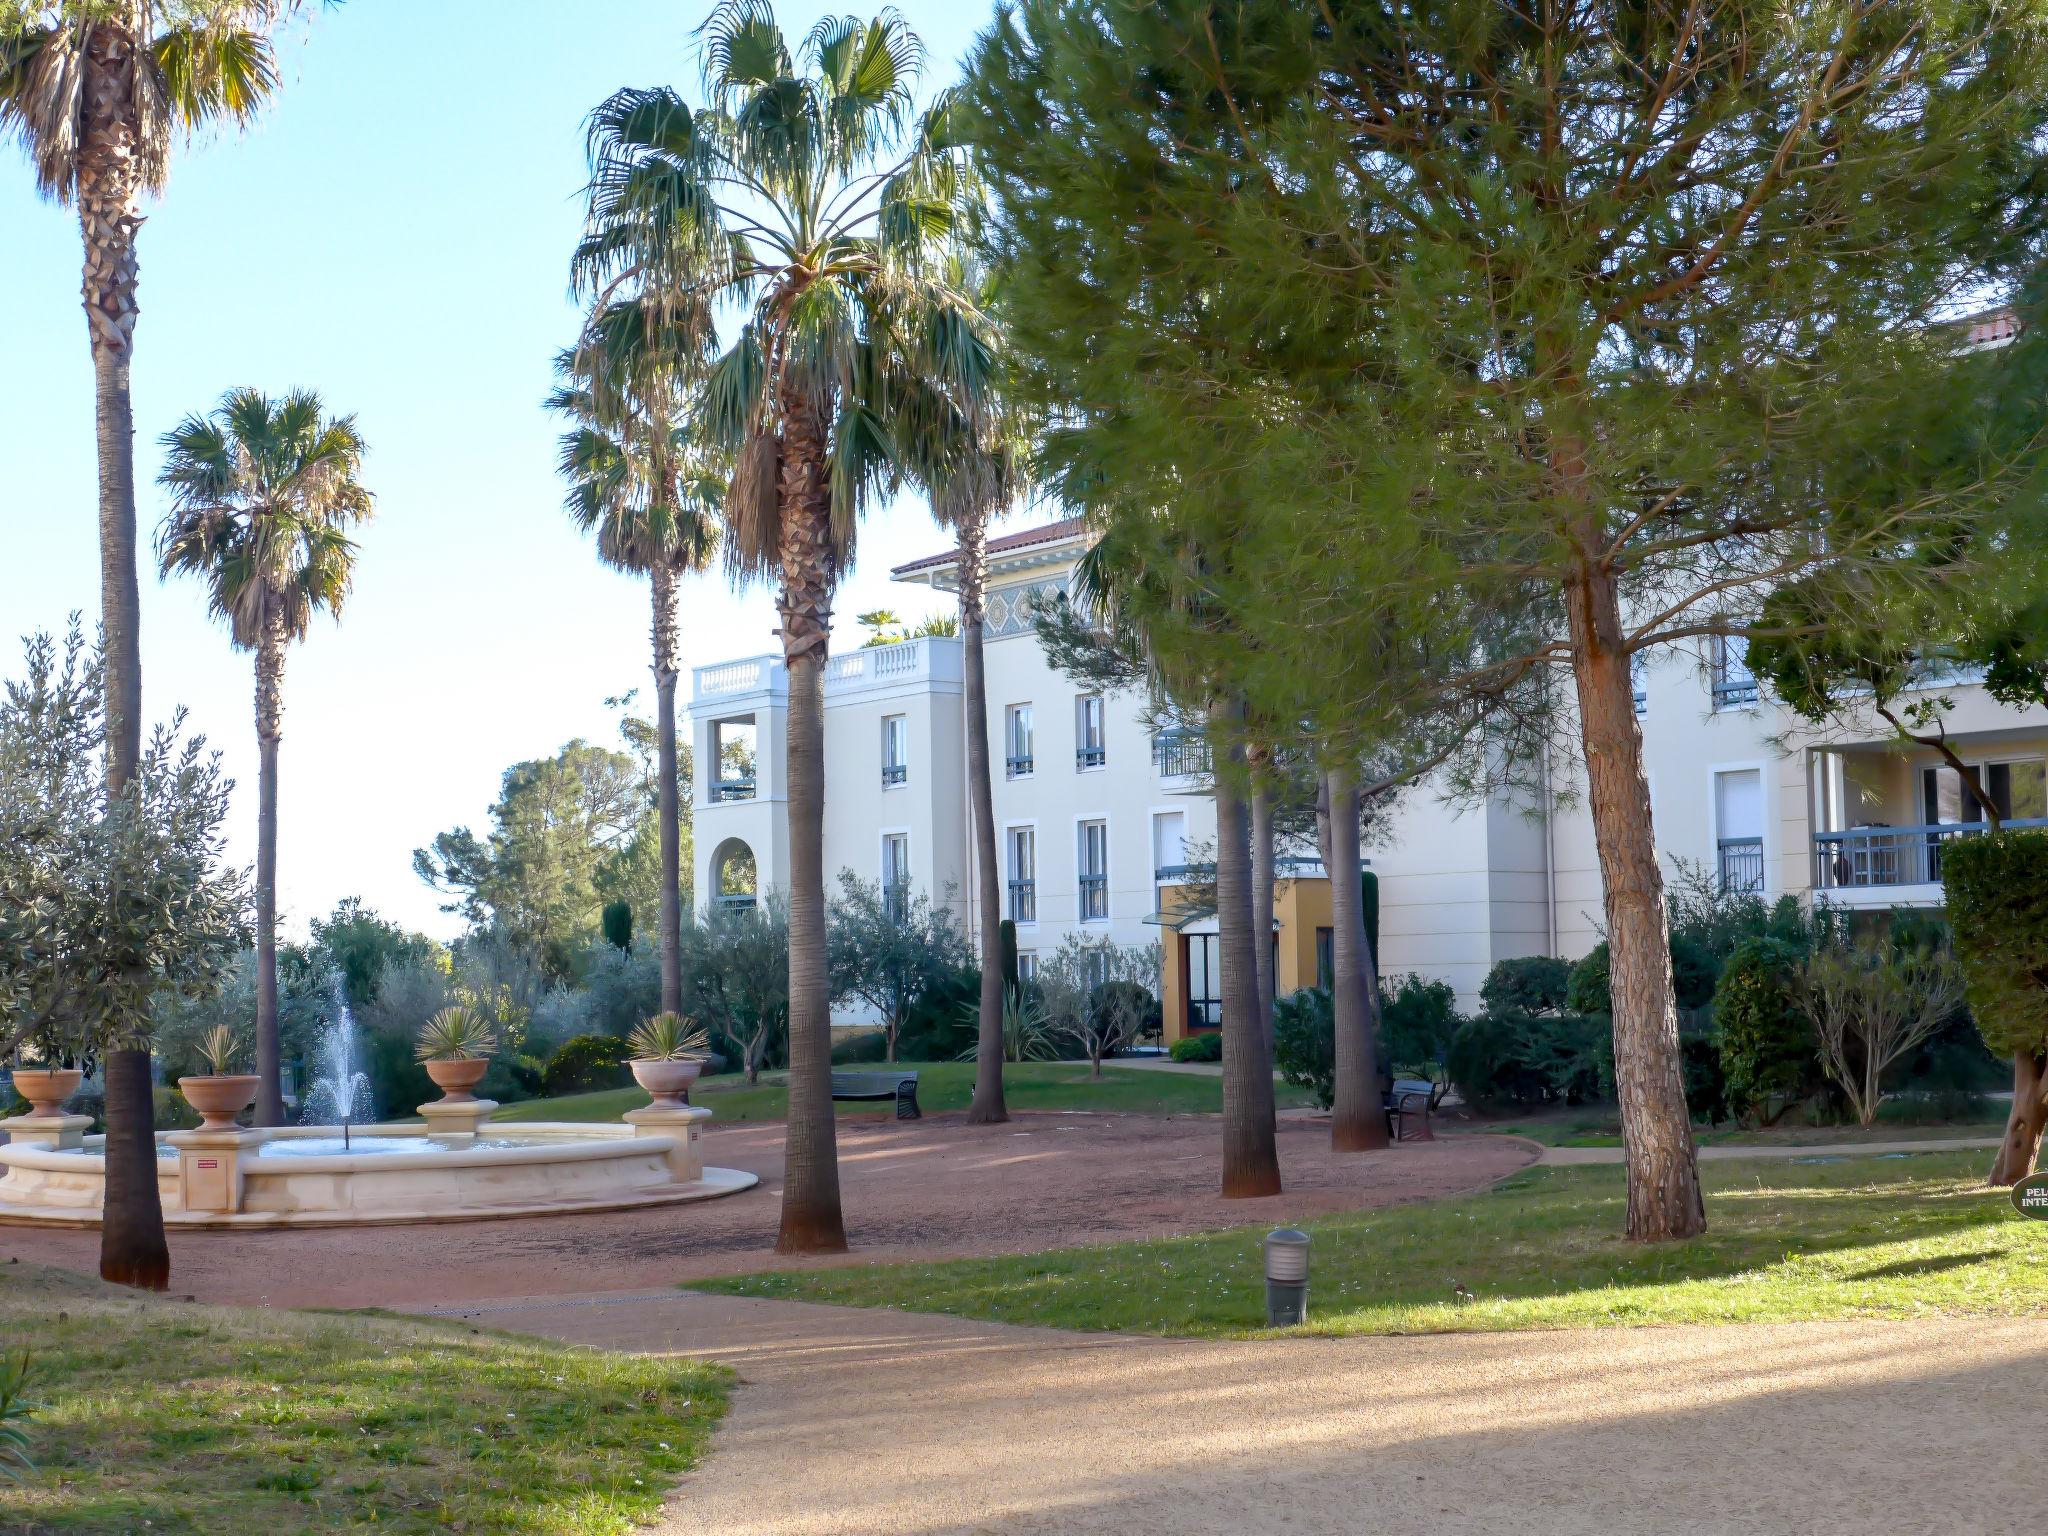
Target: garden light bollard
[{"x": 1286, "y": 1277}]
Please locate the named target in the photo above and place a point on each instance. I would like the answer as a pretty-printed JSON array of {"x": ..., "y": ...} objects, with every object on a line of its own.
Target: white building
[{"x": 1093, "y": 812}]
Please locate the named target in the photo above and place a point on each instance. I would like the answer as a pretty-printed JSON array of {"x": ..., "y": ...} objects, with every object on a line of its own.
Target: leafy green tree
[
  {"x": 97, "y": 93},
  {"x": 889, "y": 950},
  {"x": 263, "y": 493},
  {"x": 106, "y": 902},
  {"x": 803, "y": 200},
  {"x": 1099, "y": 994},
  {"x": 361, "y": 946},
  {"x": 1517, "y": 342},
  {"x": 641, "y": 482},
  {"x": 737, "y": 963}
]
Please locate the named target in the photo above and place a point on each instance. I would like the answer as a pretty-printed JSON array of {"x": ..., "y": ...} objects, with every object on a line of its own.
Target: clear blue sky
[{"x": 394, "y": 233}]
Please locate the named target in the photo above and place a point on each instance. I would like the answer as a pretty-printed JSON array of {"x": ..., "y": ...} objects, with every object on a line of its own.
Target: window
[
  {"x": 1169, "y": 845},
  {"x": 1205, "y": 981},
  {"x": 895, "y": 750},
  {"x": 896, "y": 872},
  {"x": 1017, "y": 741},
  {"x": 1734, "y": 686},
  {"x": 1023, "y": 875},
  {"x": 1027, "y": 967},
  {"x": 1326, "y": 958},
  {"x": 1094, "y": 866},
  {"x": 1089, "y": 750},
  {"x": 1739, "y": 829}
]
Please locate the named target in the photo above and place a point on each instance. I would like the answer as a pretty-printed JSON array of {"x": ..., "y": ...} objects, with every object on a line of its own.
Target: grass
[
  {"x": 170, "y": 1417},
  {"x": 1898, "y": 1119},
  {"x": 941, "y": 1085},
  {"x": 1858, "y": 1237}
]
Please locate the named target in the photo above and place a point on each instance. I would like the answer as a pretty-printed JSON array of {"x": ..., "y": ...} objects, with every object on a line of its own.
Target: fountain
[{"x": 453, "y": 1168}]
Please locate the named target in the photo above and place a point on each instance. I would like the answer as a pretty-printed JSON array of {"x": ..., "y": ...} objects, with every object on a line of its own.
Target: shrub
[
  {"x": 1706, "y": 1088},
  {"x": 1115, "y": 1000},
  {"x": 1997, "y": 891},
  {"x": 1526, "y": 984},
  {"x": 1767, "y": 1047},
  {"x": 858, "y": 1047},
  {"x": 1207, "y": 1046},
  {"x": 1488, "y": 1061},
  {"x": 1304, "y": 1042},
  {"x": 586, "y": 1063},
  {"x": 943, "y": 1022},
  {"x": 1693, "y": 973}
]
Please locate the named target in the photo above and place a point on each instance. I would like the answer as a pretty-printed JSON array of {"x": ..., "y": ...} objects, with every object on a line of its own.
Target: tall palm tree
[
  {"x": 640, "y": 481},
  {"x": 806, "y": 200},
  {"x": 262, "y": 494},
  {"x": 96, "y": 91}
]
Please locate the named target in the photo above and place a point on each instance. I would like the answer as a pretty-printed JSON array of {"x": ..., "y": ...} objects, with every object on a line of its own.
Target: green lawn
[
  {"x": 941, "y": 1085},
  {"x": 1860, "y": 1237},
  {"x": 1600, "y": 1126},
  {"x": 166, "y": 1417}
]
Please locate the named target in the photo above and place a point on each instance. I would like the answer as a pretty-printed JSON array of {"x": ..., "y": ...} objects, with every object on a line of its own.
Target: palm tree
[
  {"x": 650, "y": 494},
  {"x": 805, "y": 199},
  {"x": 96, "y": 90},
  {"x": 262, "y": 493}
]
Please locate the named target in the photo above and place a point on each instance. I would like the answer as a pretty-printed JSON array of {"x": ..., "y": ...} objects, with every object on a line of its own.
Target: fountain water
[{"x": 339, "y": 1094}]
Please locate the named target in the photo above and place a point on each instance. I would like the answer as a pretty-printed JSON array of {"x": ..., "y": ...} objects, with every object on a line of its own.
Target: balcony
[
  {"x": 1089, "y": 757},
  {"x": 1742, "y": 865},
  {"x": 1180, "y": 754},
  {"x": 732, "y": 789},
  {"x": 1867, "y": 857},
  {"x": 742, "y": 901},
  {"x": 894, "y": 774},
  {"x": 1023, "y": 901},
  {"x": 1094, "y": 898},
  {"x": 1017, "y": 767},
  {"x": 1285, "y": 867}
]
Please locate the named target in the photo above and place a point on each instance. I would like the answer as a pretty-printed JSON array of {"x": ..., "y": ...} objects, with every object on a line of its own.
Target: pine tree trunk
[
  {"x": 1358, "y": 1123},
  {"x": 811, "y": 1218},
  {"x": 269, "y": 731},
  {"x": 2021, "y": 1148},
  {"x": 132, "y": 1246},
  {"x": 988, "y": 1107},
  {"x": 1664, "y": 1199},
  {"x": 1262, "y": 887},
  {"x": 667, "y": 668},
  {"x": 1251, "y": 1161}
]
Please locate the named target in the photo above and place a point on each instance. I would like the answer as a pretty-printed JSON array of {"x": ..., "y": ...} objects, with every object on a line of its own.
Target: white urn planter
[
  {"x": 457, "y": 1077},
  {"x": 218, "y": 1099},
  {"x": 46, "y": 1089},
  {"x": 666, "y": 1082}
]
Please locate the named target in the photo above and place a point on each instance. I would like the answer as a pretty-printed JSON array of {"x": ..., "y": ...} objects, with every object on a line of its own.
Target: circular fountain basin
[{"x": 312, "y": 1176}]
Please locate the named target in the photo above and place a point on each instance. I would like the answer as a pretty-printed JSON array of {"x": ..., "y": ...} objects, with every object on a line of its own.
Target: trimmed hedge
[
  {"x": 587, "y": 1062},
  {"x": 1205, "y": 1047},
  {"x": 1997, "y": 889},
  {"x": 1767, "y": 1045}
]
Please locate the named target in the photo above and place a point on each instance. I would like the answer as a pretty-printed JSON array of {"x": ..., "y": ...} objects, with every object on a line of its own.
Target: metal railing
[
  {"x": 1734, "y": 691},
  {"x": 894, "y": 773},
  {"x": 1742, "y": 865},
  {"x": 1868, "y": 856},
  {"x": 1017, "y": 767},
  {"x": 1023, "y": 901},
  {"x": 741, "y": 902},
  {"x": 1090, "y": 757},
  {"x": 732, "y": 789},
  {"x": 1286, "y": 867},
  {"x": 1094, "y": 898},
  {"x": 1180, "y": 755}
]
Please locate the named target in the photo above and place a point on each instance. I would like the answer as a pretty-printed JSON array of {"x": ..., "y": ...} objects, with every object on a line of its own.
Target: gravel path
[
  {"x": 931, "y": 1188},
  {"x": 860, "y": 1421}
]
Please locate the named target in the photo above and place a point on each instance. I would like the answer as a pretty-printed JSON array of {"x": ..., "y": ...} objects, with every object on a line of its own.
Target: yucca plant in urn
[
  {"x": 455, "y": 1047},
  {"x": 221, "y": 1093},
  {"x": 668, "y": 1053}
]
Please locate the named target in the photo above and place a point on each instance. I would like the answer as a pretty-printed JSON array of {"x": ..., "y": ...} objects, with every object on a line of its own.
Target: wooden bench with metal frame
[{"x": 859, "y": 1087}]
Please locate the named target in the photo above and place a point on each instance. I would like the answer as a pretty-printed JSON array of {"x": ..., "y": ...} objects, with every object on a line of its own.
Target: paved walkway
[
  {"x": 859, "y": 1421},
  {"x": 1568, "y": 1156}
]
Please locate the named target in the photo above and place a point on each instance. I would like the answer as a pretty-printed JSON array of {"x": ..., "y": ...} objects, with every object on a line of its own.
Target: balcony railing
[
  {"x": 1180, "y": 754},
  {"x": 1094, "y": 898},
  {"x": 1881, "y": 856},
  {"x": 1732, "y": 690},
  {"x": 732, "y": 789},
  {"x": 1742, "y": 865},
  {"x": 1286, "y": 867},
  {"x": 1023, "y": 901},
  {"x": 894, "y": 773},
  {"x": 741, "y": 901},
  {"x": 1090, "y": 757},
  {"x": 1017, "y": 767}
]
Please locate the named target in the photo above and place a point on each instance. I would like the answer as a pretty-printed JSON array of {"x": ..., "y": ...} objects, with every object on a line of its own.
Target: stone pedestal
[
  {"x": 210, "y": 1167},
  {"x": 457, "y": 1121},
  {"x": 59, "y": 1133},
  {"x": 686, "y": 1125}
]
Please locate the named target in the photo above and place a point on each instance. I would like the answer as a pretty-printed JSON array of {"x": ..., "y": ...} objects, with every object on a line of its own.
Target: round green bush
[
  {"x": 1767, "y": 1046},
  {"x": 1693, "y": 974},
  {"x": 1203, "y": 1047},
  {"x": 585, "y": 1063},
  {"x": 1526, "y": 984}
]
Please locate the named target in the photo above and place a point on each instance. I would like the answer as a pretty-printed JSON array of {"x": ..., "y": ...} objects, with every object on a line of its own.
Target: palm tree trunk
[
  {"x": 812, "y": 1221},
  {"x": 988, "y": 1107},
  {"x": 269, "y": 731},
  {"x": 1664, "y": 1199},
  {"x": 667, "y": 669},
  {"x": 1251, "y": 1161},
  {"x": 132, "y": 1246},
  {"x": 1357, "y": 1122}
]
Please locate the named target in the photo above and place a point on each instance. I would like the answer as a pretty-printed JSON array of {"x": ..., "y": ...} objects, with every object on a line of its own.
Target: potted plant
[
  {"x": 222, "y": 1093},
  {"x": 668, "y": 1053},
  {"x": 455, "y": 1047},
  {"x": 46, "y": 1089}
]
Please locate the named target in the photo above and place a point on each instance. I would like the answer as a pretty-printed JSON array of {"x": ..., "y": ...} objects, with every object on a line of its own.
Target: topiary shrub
[
  {"x": 1526, "y": 984},
  {"x": 616, "y": 923},
  {"x": 1767, "y": 1047},
  {"x": 1207, "y": 1046},
  {"x": 1997, "y": 889},
  {"x": 586, "y": 1063}
]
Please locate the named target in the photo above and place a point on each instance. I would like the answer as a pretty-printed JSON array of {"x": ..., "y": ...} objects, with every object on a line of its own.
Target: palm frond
[{"x": 214, "y": 71}]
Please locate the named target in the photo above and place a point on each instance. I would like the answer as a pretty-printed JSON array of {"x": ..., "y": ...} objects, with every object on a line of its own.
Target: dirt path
[
  {"x": 860, "y": 1421},
  {"x": 1565, "y": 1157},
  {"x": 932, "y": 1188}
]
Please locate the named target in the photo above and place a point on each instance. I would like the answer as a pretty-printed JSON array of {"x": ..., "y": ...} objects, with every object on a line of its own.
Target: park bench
[
  {"x": 900, "y": 1086},
  {"x": 1407, "y": 1106}
]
